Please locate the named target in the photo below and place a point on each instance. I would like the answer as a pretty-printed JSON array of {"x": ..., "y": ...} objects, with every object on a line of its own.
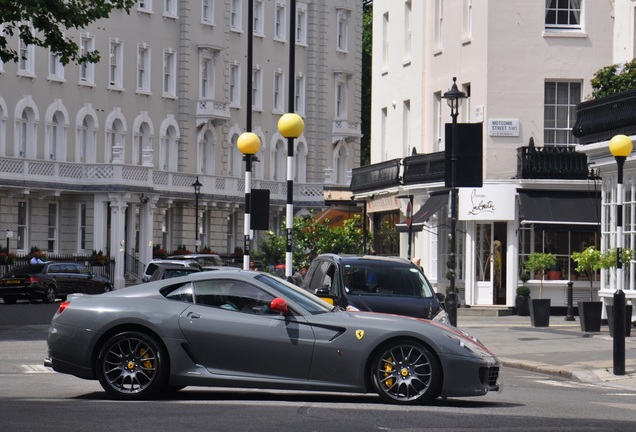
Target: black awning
[
  {"x": 430, "y": 207},
  {"x": 560, "y": 207}
]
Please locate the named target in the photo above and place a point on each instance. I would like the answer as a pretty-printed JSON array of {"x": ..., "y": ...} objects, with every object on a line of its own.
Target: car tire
[
  {"x": 50, "y": 294},
  {"x": 107, "y": 288},
  {"x": 132, "y": 365},
  {"x": 406, "y": 373},
  {"x": 9, "y": 300}
]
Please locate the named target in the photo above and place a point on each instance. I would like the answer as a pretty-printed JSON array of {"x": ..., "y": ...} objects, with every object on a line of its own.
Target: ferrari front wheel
[
  {"x": 406, "y": 372},
  {"x": 132, "y": 365}
]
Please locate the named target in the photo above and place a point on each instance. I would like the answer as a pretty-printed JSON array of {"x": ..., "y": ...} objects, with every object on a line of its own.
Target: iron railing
[
  {"x": 551, "y": 162},
  {"x": 600, "y": 119}
]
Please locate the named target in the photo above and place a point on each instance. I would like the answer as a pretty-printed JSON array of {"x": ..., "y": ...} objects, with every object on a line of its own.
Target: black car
[
  {"x": 171, "y": 271},
  {"x": 49, "y": 281},
  {"x": 372, "y": 283}
]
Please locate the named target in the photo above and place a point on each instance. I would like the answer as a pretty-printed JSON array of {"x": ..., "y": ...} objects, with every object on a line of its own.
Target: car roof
[{"x": 348, "y": 259}]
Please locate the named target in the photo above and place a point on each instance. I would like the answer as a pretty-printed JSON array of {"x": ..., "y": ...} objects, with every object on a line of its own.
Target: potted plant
[
  {"x": 539, "y": 262},
  {"x": 589, "y": 262},
  {"x": 608, "y": 261},
  {"x": 522, "y": 301}
]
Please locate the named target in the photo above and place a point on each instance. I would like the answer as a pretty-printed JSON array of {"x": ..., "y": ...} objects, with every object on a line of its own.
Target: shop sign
[{"x": 488, "y": 203}]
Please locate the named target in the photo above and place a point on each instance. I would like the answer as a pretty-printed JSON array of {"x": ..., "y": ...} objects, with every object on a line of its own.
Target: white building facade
[
  {"x": 103, "y": 156},
  {"x": 524, "y": 66}
]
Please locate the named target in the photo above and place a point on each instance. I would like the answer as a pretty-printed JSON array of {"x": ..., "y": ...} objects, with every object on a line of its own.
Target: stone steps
[{"x": 493, "y": 311}]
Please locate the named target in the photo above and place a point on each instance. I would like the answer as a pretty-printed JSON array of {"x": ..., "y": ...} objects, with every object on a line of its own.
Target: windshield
[
  {"x": 386, "y": 279},
  {"x": 308, "y": 301}
]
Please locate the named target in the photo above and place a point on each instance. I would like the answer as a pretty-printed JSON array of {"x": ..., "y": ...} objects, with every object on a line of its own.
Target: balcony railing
[
  {"x": 210, "y": 110},
  {"x": 345, "y": 129},
  {"x": 423, "y": 168},
  {"x": 69, "y": 176},
  {"x": 601, "y": 119},
  {"x": 553, "y": 162},
  {"x": 376, "y": 176}
]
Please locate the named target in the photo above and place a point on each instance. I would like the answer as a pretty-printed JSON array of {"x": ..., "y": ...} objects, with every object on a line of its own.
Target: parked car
[
  {"x": 374, "y": 283},
  {"x": 205, "y": 328},
  {"x": 206, "y": 261},
  {"x": 171, "y": 271},
  {"x": 155, "y": 263},
  {"x": 50, "y": 280}
]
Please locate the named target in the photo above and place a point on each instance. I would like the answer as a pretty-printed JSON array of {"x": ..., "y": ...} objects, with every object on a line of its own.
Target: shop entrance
[{"x": 490, "y": 263}]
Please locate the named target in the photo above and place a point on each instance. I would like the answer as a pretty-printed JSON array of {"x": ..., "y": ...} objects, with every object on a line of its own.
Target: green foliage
[
  {"x": 523, "y": 291},
  {"x": 588, "y": 262},
  {"x": 608, "y": 258},
  {"x": 50, "y": 19},
  {"x": 311, "y": 238},
  {"x": 539, "y": 262},
  {"x": 607, "y": 81}
]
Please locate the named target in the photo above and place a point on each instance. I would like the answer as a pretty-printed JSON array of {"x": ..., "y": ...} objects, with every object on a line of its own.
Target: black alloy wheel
[
  {"x": 50, "y": 294},
  {"x": 406, "y": 373},
  {"x": 132, "y": 365}
]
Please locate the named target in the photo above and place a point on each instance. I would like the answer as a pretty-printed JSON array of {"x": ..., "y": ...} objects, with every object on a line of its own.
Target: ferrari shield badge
[{"x": 359, "y": 334}]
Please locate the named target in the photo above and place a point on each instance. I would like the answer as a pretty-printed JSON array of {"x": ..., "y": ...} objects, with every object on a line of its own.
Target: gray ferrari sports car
[{"x": 236, "y": 328}]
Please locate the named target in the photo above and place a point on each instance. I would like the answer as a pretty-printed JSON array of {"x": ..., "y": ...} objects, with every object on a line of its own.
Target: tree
[
  {"x": 312, "y": 238},
  {"x": 539, "y": 262},
  {"x": 588, "y": 262},
  {"x": 43, "y": 22},
  {"x": 610, "y": 80}
]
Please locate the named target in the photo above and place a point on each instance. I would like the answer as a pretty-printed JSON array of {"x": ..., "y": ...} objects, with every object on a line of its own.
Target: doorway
[{"x": 490, "y": 263}]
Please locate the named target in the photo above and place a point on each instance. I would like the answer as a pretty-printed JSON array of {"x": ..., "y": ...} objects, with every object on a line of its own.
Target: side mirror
[
  {"x": 279, "y": 305},
  {"x": 440, "y": 297}
]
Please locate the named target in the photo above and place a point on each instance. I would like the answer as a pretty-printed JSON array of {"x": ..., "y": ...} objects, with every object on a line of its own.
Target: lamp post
[
  {"x": 197, "y": 190},
  {"x": 454, "y": 98},
  {"x": 290, "y": 126},
  {"x": 248, "y": 144},
  {"x": 620, "y": 146}
]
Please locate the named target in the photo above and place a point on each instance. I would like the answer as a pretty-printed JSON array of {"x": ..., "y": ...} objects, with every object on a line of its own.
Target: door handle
[{"x": 193, "y": 315}]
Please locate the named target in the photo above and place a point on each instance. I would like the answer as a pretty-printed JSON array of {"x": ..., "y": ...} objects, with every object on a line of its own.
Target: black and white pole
[
  {"x": 292, "y": 127},
  {"x": 197, "y": 190},
  {"x": 620, "y": 146},
  {"x": 248, "y": 144}
]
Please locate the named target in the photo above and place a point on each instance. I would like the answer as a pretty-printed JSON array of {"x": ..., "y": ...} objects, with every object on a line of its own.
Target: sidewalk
[{"x": 561, "y": 349}]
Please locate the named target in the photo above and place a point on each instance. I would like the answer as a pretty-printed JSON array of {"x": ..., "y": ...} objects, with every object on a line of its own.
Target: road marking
[{"x": 36, "y": 369}]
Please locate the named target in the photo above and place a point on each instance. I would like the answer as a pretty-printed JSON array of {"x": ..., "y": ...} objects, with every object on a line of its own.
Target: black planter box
[
  {"x": 540, "y": 312},
  {"x": 522, "y": 305},
  {"x": 590, "y": 316},
  {"x": 628, "y": 319}
]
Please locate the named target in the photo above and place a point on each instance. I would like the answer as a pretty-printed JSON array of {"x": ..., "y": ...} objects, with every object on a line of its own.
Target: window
[
  {"x": 1, "y": 35},
  {"x": 439, "y": 23},
  {"x": 206, "y": 153},
  {"x": 279, "y": 85},
  {"x": 340, "y": 165},
  {"x": 235, "y": 15},
  {"x": 206, "y": 74},
  {"x": 299, "y": 101},
  {"x": 56, "y": 69},
  {"x": 232, "y": 295},
  {"x": 57, "y": 136},
  {"x": 468, "y": 19},
  {"x": 170, "y": 8},
  {"x": 341, "y": 102},
  {"x": 235, "y": 84},
  {"x": 257, "y": 88},
  {"x": 279, "y": 161},
  {"x": 22, "y": 225},
  {"x": 385, "y": 42},
  {"x": 52, "y": 228},
  {"x": 26, "y": 63},
  {"x": 408, "y": 30},
  {"x": 563, "y": 14},
  {"x": 279, "y": 22},
  {"x": 169, "y": 73},
  {"x": 301, "y": 24},
  {"x": 406, "y": 126},
  {"x": 115, "y": 64},
  {"x": 86, "y": 139},
  {"x": 145, "y": 6},
  {"x": 25, "y": 138},
  {"x": 87, "y": 69},
  {"x": 207, "y": 11},
  {"x": 143, "y": 68},
  {"x": 560, "y": 103},
  {"x": 81, "y": 227},
  {"x": 259, "y": 18},
  {"x": 342, "y": 30}
]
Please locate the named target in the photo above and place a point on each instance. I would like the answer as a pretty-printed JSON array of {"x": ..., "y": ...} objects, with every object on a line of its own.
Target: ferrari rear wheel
[
  {"x": 132, "y": 365},
  {"x": 406, "y": 373}
]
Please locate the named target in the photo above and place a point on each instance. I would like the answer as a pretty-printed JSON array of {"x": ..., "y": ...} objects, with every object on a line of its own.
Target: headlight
[
  {"x": 442, "y": 317},
  {"x": 469, "y": 346}
]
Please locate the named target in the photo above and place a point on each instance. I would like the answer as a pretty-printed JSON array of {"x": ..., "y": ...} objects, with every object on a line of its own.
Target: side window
[
  {"x": 321, "y": 278},
  {"x": 54, "y": 269},
  {"x": 82, "y": 270},
  {"x": 181, "y": 293},
  {"x": 232, "y": 295}
]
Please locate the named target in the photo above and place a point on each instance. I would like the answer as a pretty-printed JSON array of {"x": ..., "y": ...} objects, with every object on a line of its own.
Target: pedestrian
[{"x": 36, "y": 260}]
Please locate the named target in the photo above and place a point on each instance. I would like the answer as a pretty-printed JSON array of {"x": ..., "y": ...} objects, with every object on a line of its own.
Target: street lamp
[
  {"x": 248, "y": 144},
  {"x": 454, "y": 98},
  {"x": 290, "y": 126},
  {"x": 620, "y": 146},
  {"x": 197, "y": 190}
]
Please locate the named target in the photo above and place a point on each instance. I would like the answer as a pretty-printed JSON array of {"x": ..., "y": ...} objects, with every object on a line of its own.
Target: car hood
[{"x": 409, "y": 306}]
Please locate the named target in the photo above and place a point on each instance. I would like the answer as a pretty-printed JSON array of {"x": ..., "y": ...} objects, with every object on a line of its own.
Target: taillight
[
  {"x": 63, "y": 306},
  {"x": 31, "y": 280}
]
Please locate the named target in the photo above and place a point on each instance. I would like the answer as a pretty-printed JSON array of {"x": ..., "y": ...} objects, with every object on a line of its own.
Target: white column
[
  {"x": 118, "y": 205},
  {"x": 146, "y": 226}
]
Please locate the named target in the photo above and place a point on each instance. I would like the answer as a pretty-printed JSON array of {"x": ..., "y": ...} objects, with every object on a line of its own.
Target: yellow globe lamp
[
  {"x": 620, "y": 146},
  {"x": 248, "y": 143},
  {"x": 291, "y": 125}
]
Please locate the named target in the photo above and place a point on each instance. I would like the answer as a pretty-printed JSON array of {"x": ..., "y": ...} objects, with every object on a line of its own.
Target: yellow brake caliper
[
  {"x": 388, "y": 368},
  {"x": 144, "y": 354}
]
